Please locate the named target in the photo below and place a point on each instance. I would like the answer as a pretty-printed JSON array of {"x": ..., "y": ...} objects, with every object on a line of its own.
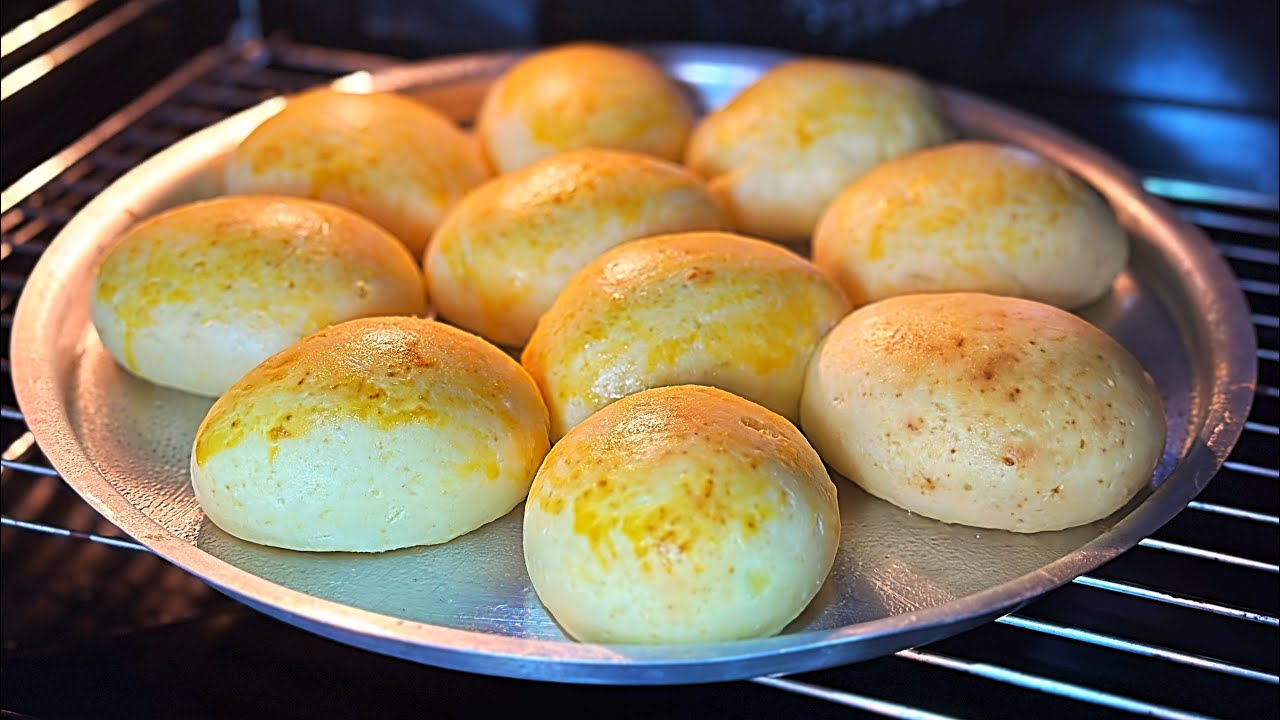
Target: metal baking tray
[{"x": 899, "y": 580}]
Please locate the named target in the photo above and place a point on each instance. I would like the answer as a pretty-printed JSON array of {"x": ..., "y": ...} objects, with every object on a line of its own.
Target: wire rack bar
[
  {"x": 1251, "y": 469},
  {"x": 1171, "y": 599},
  {"x": 1050, "y": 686},
  {"x": 1258, "y": 287},
  {"x": 1261, "y": 428},
  {"x": 1232, "y": 222},
  {"x": 1145, "y": 650},
  {"x": 848, "y": 699},
  {"x": 29, "y": 468},
  {"x": 1248, "y": 253},
  {"x": 7, "y": 521},
  {"x": 1234, "y": 512},
  {"x": 1213, "y": 555}
]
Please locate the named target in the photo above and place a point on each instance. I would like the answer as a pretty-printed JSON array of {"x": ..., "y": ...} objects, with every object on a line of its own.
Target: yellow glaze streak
[
  {"x": 582, "y": 95},
  {"x": 680, "y": 514},
  {"x": 508, "y": 249},
  {"x": 257, "y": 262},
  {"x": 707, "y": 308},
  {"x": 784, "y": 147},
  {"x": 385, "y": 156},
  {"x": 971, "y": 216},
  {"x": 383, "y": 372},
  {"x": 679, "y": 476}
]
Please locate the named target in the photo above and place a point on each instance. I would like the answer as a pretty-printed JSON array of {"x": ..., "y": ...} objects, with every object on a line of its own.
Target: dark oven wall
[{"x": 1177, "y": 89}]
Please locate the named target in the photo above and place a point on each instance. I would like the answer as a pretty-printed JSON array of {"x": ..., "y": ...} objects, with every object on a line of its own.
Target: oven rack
[{"x": 1183, "y": 626}]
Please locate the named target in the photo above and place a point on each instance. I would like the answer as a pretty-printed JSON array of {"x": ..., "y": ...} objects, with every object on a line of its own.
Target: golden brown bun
[
  {"x": 983, "y": 410},
  {"x": 507, "y": 250},
  {"x": 582, "y": 95},
  {"x": 788, "y": 144},
  {"x": 394, "y": 160},
  {"x": 706, "y": 308},
  {"x": 195, "y": 297},
  {"x": 971, "y": 216},
  {"x": 375, "y": 434},
  {"x": 681, "y": 514}
]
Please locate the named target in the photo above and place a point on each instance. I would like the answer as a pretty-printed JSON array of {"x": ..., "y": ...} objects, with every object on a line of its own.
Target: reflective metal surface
[{"x": 900, "y": 580}]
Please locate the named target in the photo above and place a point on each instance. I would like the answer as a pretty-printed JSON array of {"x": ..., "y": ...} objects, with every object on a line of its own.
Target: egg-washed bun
[
  {"x": 375, "y": 434},
  {"x": 507, "y": 250},
  {"x": 988, "y": 411},
  {"x": 789, "y": 143},
  {"x": 383, "y": 155},
  {"x": 582, "y": 95},
  {"x": 195, "y": 297},
  {"x": 971, "y": 217},
  {"x": 704, "y": 308},
  {"x": 680, "y": 514}
]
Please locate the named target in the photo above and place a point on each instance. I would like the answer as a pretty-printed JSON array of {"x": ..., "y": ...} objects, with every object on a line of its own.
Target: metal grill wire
[{"x": 1209, "y": 576}]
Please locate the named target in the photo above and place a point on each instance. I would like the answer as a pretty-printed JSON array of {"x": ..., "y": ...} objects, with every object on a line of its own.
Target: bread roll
[
  {"x": 788, "y": 144},
  {"x": 706, "y": 308},
  {"x": 582, "y": 95},
  {"x": 372, "y": 435},
  {"x": 971, "y": 216},
  {"x": 507, "y": 250},
  {"x": 385, "y": 156},
  {"x": 981, "y": 410},
  {"x": 681, "y": 514},
  {"x": 195, "y": 297}
]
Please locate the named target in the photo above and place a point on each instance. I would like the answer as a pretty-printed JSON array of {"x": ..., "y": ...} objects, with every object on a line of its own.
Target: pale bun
[
  {"x": 989, "y": 411},
  {"x": 195, "y": 297},
  {"x": 680, "y": 514},
  {"x": 781, "y": 150},
  {"x": 506, "y": 251},
  {"x": 375, "y": 434},
  {"x": 582, "y": 95},
  {"x": 706, "y": 308},
  {"x": 387, "y": 157},
  {"x": 972, "y": 217}
]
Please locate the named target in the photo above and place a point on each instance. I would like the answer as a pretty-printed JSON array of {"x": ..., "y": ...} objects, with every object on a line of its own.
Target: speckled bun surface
[{"x": 981, "y": 410}]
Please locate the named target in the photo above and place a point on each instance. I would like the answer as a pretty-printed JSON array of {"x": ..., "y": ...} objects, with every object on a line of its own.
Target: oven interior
[{"x": 1185, "y": 625}]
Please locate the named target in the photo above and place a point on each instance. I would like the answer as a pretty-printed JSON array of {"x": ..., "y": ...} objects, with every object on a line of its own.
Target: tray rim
[{"x": 1230, "y": 355}]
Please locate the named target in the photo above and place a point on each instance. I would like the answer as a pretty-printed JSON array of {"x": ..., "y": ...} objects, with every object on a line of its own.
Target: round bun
[
  {"x": 971, "y": 216},
  {"x": 789, "y": 143},
  {"x": 988, "y": 411},
  {"x": 507, "y": 250},
  {"x": 681, "y": 514},
  {"x": 582, "y": 95},
  {"x": 385, "y": 156},
  {"x": 705, "y": 308},
  {"x": 375, "y": 434},
  {"x": 195, "y": 297}
]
